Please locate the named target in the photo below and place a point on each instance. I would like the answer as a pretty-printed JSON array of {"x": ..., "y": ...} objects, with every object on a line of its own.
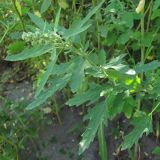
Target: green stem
[
  {"x": 157, "y": 126},
  {"x": 4, "y": 35},
  {"x": 74, "y": 6},
  {"x": 149, "y": 15},
  {"x": 150, "y": 114},
  {"x": 102, "y": 143},
  {"x": 81, "y": 7},
  {"x": 136, "y": 151},
  {"x": 33, "y": 5},
  {"x": 139, "y": 25},
  {"x": 131, "y": 154},
  {"x": 142, "y": 45},
  {"x": 141, "y": 75},
  {"x": 57, "y": 111}
]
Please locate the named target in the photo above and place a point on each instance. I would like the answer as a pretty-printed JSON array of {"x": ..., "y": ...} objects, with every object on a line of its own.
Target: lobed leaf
[
  {"x": 57, "y": 84},
  {"x": 62, "y": 68},
  {"x": 140, "y": 68},
  {"x": 141, "y": 125},
  {"x": 91, "y": 96},
  {"x": 97, "y": 116}
]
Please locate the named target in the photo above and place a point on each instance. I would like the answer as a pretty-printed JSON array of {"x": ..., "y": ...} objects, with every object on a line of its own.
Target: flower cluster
[{"x": 39, "y": 37}]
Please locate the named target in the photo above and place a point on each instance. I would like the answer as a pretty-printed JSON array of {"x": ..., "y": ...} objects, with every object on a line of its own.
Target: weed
[{"x": 107, "y": 60}]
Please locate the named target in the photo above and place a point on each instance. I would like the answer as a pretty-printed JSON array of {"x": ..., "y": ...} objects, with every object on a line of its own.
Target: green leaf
[
  {"x": 30, "y": 53},
  {"x": 46, "y": 74},
  {"x": 40, "y": 23},
  {"x": 102, "y": 57},
  {"x": 141, "y": 125},
  {"x": 124, "y": 37},
  {"x": 156, "y": 4},
  {"x": 77, "y": 74},
  {"x": 127, "y": 19},
  {"x": 115, "y": 104},
  {"x": 148, "y": 39},
  {"x": 111, "y": 38},
  {"x": 16, "y": 47},
  {"x": 117, "y": 60},
  {"x": 75, "y": 30},
  {"x": 129, "y": 105},
  {"x": 62, "y": 68},
  {"x": 96, "y": 116},
  {"x": 57, "y": 20},
  {"x": 115, "y": 64},
  {"x": 57, "y": 84},
  {"x": 156, "y": 150},
  {"x": 140, "y": 68},
  {"x": 79, "y": 27},
  {"x": 45, "y": 5},
  {"x": 155, "y": 14},
  {"x": 63, "y": 4},
  {"x": 91, "y": 13},
  {"x": 91, "y": 96}
]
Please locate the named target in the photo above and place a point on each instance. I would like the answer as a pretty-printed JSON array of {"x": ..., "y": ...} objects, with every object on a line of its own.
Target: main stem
[
  {"x": 142, "y": 62},
  {"x": 102, "y": 143}
]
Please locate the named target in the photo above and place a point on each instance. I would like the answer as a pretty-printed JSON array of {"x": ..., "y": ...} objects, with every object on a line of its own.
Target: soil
[{"x": 60, "y": 141}]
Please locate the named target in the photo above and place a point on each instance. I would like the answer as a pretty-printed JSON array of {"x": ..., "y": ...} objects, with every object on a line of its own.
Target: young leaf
[
  {"x": 97, "y": 116},
  {"x": 30, "y": 52},
  {"x": 141, "y": 125},
  {"x": 46, "y": 75},
  {"x": 57, "y": 84},
  {"x": 45, "y": 5}
]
